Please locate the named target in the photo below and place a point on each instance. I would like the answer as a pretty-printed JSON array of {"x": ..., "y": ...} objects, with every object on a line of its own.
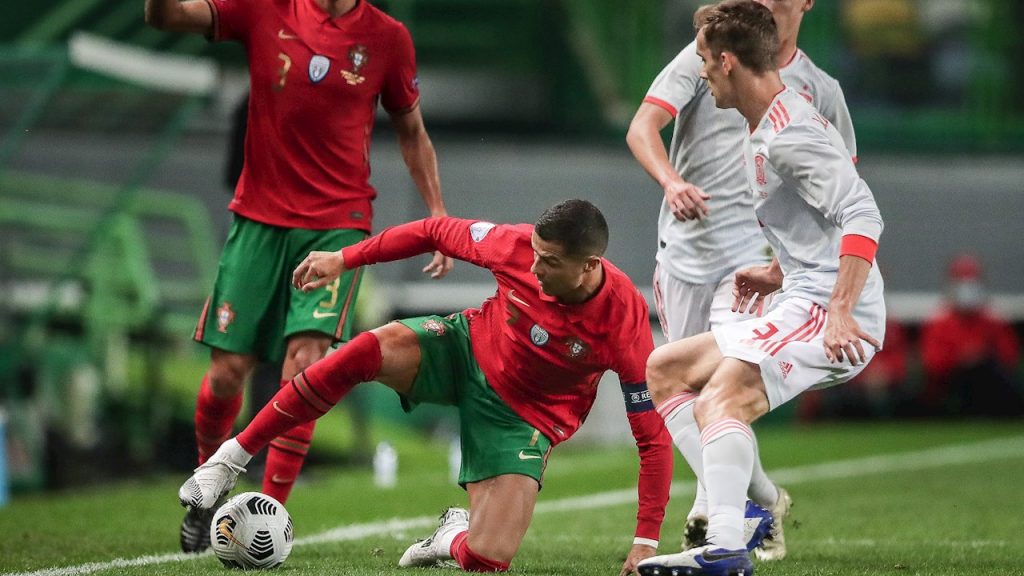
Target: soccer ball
[{"x": 251, "y": 531}]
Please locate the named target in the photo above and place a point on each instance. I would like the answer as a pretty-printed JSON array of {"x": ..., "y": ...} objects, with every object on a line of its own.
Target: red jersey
[
  {"x": 314, "y": 86},
  {"x": 542, "y": 357}
]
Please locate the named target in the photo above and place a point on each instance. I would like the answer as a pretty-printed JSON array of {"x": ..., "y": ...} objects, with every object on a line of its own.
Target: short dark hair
[
  {"x": 743, "y": 27},
  {"x": 576, "y": 225}
]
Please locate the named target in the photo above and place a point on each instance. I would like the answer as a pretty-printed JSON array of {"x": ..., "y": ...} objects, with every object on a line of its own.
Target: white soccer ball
[{"x": 251, "y": 531}]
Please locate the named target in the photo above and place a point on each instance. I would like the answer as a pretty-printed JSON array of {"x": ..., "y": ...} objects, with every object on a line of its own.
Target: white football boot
[
  {"x": 215, "y": 477},
  {"x": 437, "y": 549},
  {"x": 774, "y": 545},
  {"x": 707, "y": 560}
]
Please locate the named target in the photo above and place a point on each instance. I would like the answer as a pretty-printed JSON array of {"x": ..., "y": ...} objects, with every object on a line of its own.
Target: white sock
[
  {"x": 677, "y": 412},
  {"x": 728, "y": 455},
  {"x": 762, "y": 490},
  {"x": 233, "y": 452}
]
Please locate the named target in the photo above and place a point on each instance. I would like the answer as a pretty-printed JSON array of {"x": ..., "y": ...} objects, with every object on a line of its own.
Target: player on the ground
[
  {"x": 317, "y": 70},
  {"x": 823, "y": 226},
  {"x": 707, "y": 231},
  {"x": 523, "y": 370}
]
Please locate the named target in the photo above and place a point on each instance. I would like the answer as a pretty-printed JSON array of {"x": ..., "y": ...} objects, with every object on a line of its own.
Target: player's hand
[
  {"x": 686, "y": 201},
  {"x": 843, "y": 338},
  {"x": 637, "y": 553},
  {"x": 439, "y": 267},
  {"x": 318, "y": 270},
  {"x": 753, "y": 285}
]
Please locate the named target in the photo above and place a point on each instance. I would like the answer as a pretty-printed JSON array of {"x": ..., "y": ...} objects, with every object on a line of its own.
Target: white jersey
[
  {"x": 706, "y": 151},
  {"x": 807, "y": 195}
]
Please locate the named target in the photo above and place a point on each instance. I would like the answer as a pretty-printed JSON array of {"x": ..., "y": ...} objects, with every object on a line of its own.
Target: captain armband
[{"x": 637, "y": 397}]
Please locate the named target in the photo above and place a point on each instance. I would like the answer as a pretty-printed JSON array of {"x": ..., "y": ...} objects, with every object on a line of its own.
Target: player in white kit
[
  {"x": 707, "y": 231},
  {"x": 824, "y": 326}
]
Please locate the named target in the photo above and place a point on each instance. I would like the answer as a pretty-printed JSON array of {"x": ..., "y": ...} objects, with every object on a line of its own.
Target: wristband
[{"x": 645, "y": 542}]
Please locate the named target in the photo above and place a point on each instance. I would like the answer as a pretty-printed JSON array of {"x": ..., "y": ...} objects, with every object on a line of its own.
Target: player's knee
[
  {"x": 666, "y": 376},
  {"x": 227, "y": 379},
  {"x": 723, "y": 399}
]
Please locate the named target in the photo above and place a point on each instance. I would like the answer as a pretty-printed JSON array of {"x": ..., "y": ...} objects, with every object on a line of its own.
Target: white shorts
[
  {"x": 788, "y": 344},
  {"x": 686, "y": 309}
]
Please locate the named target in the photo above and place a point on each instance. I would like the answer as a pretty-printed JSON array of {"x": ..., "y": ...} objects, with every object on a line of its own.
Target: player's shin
[
  {"x": 285, "y": 458},
  {"x": 728, "y": 455},
  {"x": 214, "y": 418},
  {"x": 314, "y": 391}
]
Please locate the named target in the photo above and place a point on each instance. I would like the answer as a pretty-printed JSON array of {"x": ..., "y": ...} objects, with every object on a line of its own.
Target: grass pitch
[{"x": 902, "y": 499}]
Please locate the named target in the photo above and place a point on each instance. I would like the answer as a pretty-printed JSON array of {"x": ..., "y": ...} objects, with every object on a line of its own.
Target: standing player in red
[
  {"x": 523, "y": 370},
  {"x": 318, "y": 69}
]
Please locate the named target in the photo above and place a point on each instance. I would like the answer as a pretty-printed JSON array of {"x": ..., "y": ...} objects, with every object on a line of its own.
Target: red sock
[
  {"x": 471, "y": 561},
  {"x": 285, "y": 457},
  {"x": 214, "y": 419},
  {"x": 314, "y": 391}
]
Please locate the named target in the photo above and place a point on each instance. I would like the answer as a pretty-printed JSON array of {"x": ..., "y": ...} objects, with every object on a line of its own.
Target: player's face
[
  {"x": 712, "y": 71},
  {"x": 787, "y": 14},
  {"x": 558, "y": 273}
]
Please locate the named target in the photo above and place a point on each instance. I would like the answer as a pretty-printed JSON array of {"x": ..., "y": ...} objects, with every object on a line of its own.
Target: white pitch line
[{"x": 957, "y": 454}]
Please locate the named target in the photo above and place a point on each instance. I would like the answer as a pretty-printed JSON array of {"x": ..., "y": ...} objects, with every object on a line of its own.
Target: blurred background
[{"x": 119, "y": 147}]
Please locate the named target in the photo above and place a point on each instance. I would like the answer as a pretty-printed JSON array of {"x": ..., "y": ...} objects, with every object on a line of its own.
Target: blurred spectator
[{"x": 968, "y": 352}]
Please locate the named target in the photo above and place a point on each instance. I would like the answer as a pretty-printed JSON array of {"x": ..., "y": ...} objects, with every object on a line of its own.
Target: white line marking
[{"x": 1001, "y": 448}]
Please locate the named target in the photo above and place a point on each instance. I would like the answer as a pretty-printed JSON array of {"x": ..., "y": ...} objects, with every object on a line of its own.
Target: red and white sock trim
[
  {"x": 720, "y": 428},
  {"x": 676, "y": 402}
]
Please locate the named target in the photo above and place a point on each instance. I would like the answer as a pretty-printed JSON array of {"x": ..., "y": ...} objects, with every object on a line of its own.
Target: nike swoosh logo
[
  {"x": 278, "y": 480},
  {"x": 709, "y": 556},
  {"x": 282, "y": 410},
  {"x": 524, "y": 456},
  {"x": 318, "y": 314},
  {"x": 286, "y": 36},
  {"x": 512, "y": 296}
]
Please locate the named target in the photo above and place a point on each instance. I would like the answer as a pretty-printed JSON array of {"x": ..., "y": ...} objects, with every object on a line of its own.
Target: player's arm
[
  {"x": 842, "y": 334},
  {"x": 421, "y": 160},
  {"x": 827, "y": 180},
  {"x": 173, "y": 16},
  {"x": 644, "y": 140},
  {"x": 652, "y": 438},
  {"x": 480, "y": 243}
]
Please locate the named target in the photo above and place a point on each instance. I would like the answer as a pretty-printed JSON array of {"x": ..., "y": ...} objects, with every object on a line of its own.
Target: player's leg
[
  {"x": 683, "y": 311},
  {"x": 220, "y": 399},
  {"x": 389, "y": 354},
  {"x": 314, "y": 320},
  {"x": 288, "y": 452},
  {"x": 503, "y": 461},
  {"x": 762, "y": 490},
  {"x": 232, "y": 323},
  {"x": 732, "y": 397},
  {"x": 502, "y": 508}
]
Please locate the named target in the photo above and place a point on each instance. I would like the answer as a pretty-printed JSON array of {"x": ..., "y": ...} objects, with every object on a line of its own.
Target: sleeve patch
[
  {"x": 637, "y": 397},
  {"x": 478, "y": 230}
]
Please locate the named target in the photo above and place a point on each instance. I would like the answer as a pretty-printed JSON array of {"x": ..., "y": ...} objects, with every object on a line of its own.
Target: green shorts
[
  {"x": 495, "y": 440},
  {"x": 254, "y": 308}
]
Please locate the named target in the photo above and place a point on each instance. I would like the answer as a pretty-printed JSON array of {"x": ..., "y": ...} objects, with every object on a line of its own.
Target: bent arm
[
  {"x": 194, "y": 16},
  {"x": 644, "y": 141}
]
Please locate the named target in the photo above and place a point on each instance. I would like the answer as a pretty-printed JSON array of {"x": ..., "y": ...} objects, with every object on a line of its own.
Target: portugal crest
[
  {"x": 225, "y": 316},
  {"x": 577, "y": 348},
  {"x": 319, "y": 65},
  {"x": 433, "y": 326},
  {"x": 358, "y": 58}
]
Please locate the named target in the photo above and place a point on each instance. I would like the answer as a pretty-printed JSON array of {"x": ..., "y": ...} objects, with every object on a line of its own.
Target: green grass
[{"x": 960, "y": 518}]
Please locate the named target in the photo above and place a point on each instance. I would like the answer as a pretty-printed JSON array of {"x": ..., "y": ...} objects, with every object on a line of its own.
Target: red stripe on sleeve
[
  {"x": 859, "y": 246},
  {"x": 662, "y": 104}
]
